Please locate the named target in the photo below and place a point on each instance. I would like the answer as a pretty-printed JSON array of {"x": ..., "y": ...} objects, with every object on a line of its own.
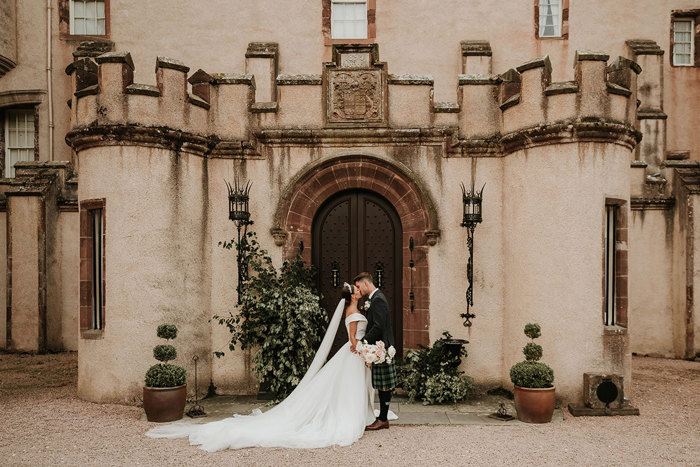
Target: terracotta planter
[
  {"x": 164, "y": 404},
  {"x": 534, "y": 405}
]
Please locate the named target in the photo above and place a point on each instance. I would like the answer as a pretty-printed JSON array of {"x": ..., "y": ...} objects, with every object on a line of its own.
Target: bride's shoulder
[{"x": 355, "y": 316}]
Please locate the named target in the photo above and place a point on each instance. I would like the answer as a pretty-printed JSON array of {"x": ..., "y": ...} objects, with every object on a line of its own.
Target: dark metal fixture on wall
[
  {"x": 379, "y": 274},
  {"x": 411, "y": 263},
  {"x": 335, "y": 274},
  {"x": 239, "y": 213},
  {"x": 471, "y": 203}
]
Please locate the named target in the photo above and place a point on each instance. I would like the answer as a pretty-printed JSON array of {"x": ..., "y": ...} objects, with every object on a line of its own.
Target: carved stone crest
[
  {"x": 356, "y": 90},
  {"x": 355, "y": 95}
]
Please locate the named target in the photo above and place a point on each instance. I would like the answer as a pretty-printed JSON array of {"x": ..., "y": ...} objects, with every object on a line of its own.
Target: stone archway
[{"x": 323, "y": 179}]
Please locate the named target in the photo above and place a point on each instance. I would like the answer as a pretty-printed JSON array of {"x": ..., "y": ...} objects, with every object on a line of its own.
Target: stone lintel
[
  {"x": 262, "y": 50},
  {"x": 115, "y": 57},
  {"x": 21, "y": 97},
  {"x": 590, "y": 55},
  {"x": 93, "y": 48},
  {"x": 479, "y": 48},
  {"x": 566, "y": 87},
  {"x": 88, "y": 91},
  {"x": 639, "y": 164},
  {"x": 681, "y": 164},
  {"x": 233, "y": 78},
  {"x": 405, "y": 79},
  {"x": 200, "y": 77},
  {"x": 536, "y": 63},
  {"x": 142, "y": 90},
  {"x": 641, "y": 203},
  {"x": 644, "y": 47},
  {"x": 171, "y": 63},
  {"x": 479, "y": 80},
  {"x": 292, "y": 80},
  {"x": 617, "y": 89},
  {"x": 651, "y": 114},
  {"x": 446, "y": 107}
]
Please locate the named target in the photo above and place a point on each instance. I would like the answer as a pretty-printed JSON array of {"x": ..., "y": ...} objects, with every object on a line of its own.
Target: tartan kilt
[{"x": 384, "y": 376}]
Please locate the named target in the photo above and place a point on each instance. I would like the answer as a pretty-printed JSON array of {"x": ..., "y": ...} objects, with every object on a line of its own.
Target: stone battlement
[{"x": 356, "y": 91}]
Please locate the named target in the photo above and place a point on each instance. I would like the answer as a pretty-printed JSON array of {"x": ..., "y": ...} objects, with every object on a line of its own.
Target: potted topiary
[
  {"x": 165, "y": 392},
  {"x": 534, "y": 392}
]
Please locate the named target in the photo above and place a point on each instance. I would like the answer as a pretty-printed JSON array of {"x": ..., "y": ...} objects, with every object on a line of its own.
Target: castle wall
[
  {"x": 3, "y": 283},
  {"x": 553, "y": 231},
  {"x": 157, "y": 265},
  {"x": 651, "y": 283}
]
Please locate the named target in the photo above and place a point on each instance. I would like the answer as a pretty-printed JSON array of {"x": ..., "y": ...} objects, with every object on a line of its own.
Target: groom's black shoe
[{"x": 377, "y": 425}]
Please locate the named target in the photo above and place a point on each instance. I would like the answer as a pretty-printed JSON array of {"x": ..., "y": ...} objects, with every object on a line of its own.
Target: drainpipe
[{"x": 49, "y": 73}]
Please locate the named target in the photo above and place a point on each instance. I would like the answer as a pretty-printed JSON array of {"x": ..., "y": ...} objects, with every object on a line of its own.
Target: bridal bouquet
[{"x": 375, "y": 353}]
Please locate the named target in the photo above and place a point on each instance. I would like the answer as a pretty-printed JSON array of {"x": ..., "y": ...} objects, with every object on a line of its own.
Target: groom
[{"x": 378, "y": 329}]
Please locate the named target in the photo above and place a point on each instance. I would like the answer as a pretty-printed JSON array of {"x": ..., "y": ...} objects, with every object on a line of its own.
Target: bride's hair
[{"x": 348, "y": 290}]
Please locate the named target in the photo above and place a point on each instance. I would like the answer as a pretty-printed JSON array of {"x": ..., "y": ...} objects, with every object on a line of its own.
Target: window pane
[
  {"x": 100, "y": 9},
  {"x": 79, "y": 26},
  {"x": 681, "y": 26},
  {"x": 78, "y": 9},
  {"x": 349, "y": 20},
  {"x": 101, "y": 27},
  {"x": 90, "y": 26}
]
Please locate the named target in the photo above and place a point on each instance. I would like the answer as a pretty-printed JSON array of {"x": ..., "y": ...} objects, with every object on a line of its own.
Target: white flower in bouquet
[{"x": 375, "y": 353}]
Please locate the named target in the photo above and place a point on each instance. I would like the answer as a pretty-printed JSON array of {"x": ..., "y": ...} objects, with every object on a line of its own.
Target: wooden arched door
[{"x": 357, "y": 231}]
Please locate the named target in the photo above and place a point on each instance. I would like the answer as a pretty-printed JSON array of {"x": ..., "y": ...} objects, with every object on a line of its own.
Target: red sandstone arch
[{"x": 323, "y": 179}]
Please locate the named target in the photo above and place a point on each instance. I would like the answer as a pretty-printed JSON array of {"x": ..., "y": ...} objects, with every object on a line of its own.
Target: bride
[{"x": 331, "y": 405}]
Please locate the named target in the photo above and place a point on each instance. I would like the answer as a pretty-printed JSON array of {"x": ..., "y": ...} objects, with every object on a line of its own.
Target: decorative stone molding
[
  {"x": 21, "y": 97},
  {"x": 647, "y": 204},
  {"x": 644, "y": 47},
  {"x": 478, "y": 48},
  {"x": 299, "y": 80},
  {"x": 262, "y": 50},
  {"x": 415, "y": 80},
  {"x": 6, "y": 64},
  {"x": 93, "y": 49},
  {"x": 432, "y": 237},
  {"x": 280, "y": 235}
]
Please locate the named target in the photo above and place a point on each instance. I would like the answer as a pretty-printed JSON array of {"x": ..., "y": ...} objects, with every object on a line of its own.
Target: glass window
[
  {"x": 610, "y": 266},
  {"x": 19, "y": 138},
  {"x": 348, "y": 19},
  {"x": 87, "y": 17},
  {"x": 97, "y": 254},
  {"x": 683, "y": 43},
  {"x": 550, "y": 18}
]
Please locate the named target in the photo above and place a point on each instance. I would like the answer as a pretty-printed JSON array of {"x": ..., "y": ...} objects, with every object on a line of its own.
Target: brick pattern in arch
[{"x": 322, "y": 182}]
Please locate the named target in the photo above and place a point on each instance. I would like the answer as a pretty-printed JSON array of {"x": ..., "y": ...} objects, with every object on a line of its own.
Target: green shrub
[
  {"x": 428, "y": 372},
  {"x": 164, "y": 353},
  {"x": 165, "y": 376},
  {"x": 532, "y": 351},
  {"x": 533, "y": 330},
  {"x": 279, "y": 316},
  {"x": 167, "y": 331},
  {"x": 443, "y": 388},
  {"x": 531, "y": 373}
]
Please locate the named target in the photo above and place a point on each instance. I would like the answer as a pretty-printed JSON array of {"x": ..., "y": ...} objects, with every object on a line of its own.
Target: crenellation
[{"x": 488, "y": 105}]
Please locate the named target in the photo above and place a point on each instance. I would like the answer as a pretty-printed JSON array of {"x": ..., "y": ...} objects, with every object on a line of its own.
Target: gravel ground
[{"x": 44, "y": 423}]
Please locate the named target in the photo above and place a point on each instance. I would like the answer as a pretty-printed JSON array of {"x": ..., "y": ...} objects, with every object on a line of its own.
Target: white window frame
[
  {"x": 335, "y": 32},
  {"x": 27, "y": 148},
  {"x": 96, "y": 18},
  {"x": 692, "y": 41},
  {"x": 543, "y": 5}
]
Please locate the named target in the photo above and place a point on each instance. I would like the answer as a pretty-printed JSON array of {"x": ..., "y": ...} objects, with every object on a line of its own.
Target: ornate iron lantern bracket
[
  {"x": 471, "y": 216},
  {"x": 239, "y": 213}
]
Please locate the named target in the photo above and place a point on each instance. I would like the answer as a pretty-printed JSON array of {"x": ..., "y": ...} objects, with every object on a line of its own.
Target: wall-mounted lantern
[
  {"x": 239, "y": 213},
  {"x": 471, "y": 215}
]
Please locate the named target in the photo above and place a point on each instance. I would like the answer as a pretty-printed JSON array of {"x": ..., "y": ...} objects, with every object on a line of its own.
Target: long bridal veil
[{"x": 330, "y": 406}]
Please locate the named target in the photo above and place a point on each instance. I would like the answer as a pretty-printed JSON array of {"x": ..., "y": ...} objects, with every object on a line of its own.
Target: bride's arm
[{"x": 351, "y": 334}]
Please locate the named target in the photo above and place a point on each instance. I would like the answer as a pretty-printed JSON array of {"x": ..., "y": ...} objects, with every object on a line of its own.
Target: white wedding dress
[{"x": 331, "y": 406}]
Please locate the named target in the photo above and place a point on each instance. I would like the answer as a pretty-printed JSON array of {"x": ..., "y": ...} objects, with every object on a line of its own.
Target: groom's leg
[{"x": 384, "y": 400}]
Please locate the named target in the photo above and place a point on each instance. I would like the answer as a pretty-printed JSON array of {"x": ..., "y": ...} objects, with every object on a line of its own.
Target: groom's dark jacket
[{"x": 378, "y": 323}]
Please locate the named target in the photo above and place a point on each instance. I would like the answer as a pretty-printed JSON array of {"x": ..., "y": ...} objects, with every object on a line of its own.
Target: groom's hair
[{"x": 363, "y": 276}]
